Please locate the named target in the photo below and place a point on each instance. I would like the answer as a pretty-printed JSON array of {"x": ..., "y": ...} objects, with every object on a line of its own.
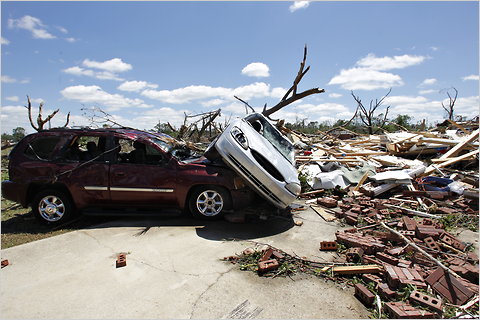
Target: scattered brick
[
  {"x": 402, "y": 310},
  {"x": 364, "y": 295},
  {"x": 424, "y": 231},
  {"x": 387, "y": 258},
  {"x": 121, "y": 260},
  {"x": 267, "y": 254},
  {"x": 327, "y": 202},
  {"x": 268, "y": 265},
  {"x": 5, "y": 263},
  {"x": 385, "y": 292},
  {"x": 395, "y": 251},
  {"x": 432, "y": 244},
  {"x": 426, "y": 301},
  {"x": 369, "y": 244},
  {"x": 452, "y": 241},
  {"x": 449, "y": 287},
  {"x": 354, "y": 254},
  {"x": 367, "y": 277},
  {"x": 328, "y": 246},
  {"x": 398, "y": 277},
  {"x": 409, "y": 223}
]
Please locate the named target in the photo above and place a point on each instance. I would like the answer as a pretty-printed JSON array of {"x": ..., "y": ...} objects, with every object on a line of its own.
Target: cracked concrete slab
[{"x": 174, "y": 270}]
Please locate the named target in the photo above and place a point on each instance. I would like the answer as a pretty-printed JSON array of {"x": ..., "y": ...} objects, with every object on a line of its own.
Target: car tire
[
  {"x": 53, "y": 207},
  {"x": 209, "y": 202}
]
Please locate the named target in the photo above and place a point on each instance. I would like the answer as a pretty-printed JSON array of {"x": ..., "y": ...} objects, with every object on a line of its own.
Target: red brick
[
  {"x": 452, "y": 241},
  {"x": 364, "y": 295},
  {"x": 449, "y": 287},
  {"x": 327, "y": 202},
  {"x": 402, "y": 310},
  {"x": 432, "y": 244},
  {"x": 395, "y": 251},
  {"x": 354, "y": 254},
  {"x": 422, "y": 231},
  {"x": 121, "y": 260},
  {"x": 328, "y": 246},
  {"x": 268, "y": 265},
  {"x": 399, "y": 277},
  {"x": 369, "y": 244},
  {"x": 371, "y": 260},
  {"x": 278, "y": 254},
  {"x": 426, "y": 301},
  {"x": 409, "y": 223},
  {"x": 387, "y": 258},
  {"x": 420, "y": 259},
  {"x": 385, "y": 292},
  {"x": 350, "y": 220},
  {"x": 407, "y": 233},
  {"x": 368, "y": 277},
  {"x": 267, "y": 254},
  {"x": 369, "y": 220},
  {"x": 5, "y": 263}
]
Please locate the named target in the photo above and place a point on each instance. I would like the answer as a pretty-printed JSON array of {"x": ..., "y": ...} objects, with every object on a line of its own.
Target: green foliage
[
  {"x": 303, "y": 177},
  {"x": 164, "y": 128},
  {"x": 17, "y": 134},
  {"x": 453, "y": 221}
]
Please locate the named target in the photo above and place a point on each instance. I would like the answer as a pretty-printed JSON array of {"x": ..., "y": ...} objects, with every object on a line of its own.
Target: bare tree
[
  {"x": 368, "y": 116},
  {"x": 451, "y": 104},
  {"x": 292, "y": 95},
  {"x": 41, "y": 122}
]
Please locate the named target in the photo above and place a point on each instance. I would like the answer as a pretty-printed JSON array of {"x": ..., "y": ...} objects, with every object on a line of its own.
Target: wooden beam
[
  {"x": 452, "y": 152},
  {"x": 368, "y": 268},
  {"x": 432, "y": 168}
]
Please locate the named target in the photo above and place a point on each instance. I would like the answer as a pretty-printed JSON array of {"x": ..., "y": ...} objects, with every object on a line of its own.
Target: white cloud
[
  {"x": 114, "y": 65},
  {"x": 278, "y": 92},
  {"x": 474, "y": 77},
  {"x": 62, "y": 29},
  {"x": 428, "y": 82},
  {"x": 71, "y": 39},
  {"x": 136, "y": 86},
  {"x": 388, "y": 63},
  {"x": 12, "y": 98},
  {"x": 8, "y": 79},
  {"x": 335, "y": 95},
  {"x": 32, "y": 24},
  {"x": 95, "y": 95},
  {"x": 368, "y": 72},
  {"x": 256, "y": 69},
  {"x": 434, "y": 48},
  {"x": 254, "y": 90},
  {"x": 102, "y": 75},
  {"x": 365, "y": 79},
  {"x": 427, "y": 91},
  {"x": 4, "y": 41},
  {"x": 213, "y": 102},
  {"x": 299, "y": 5}
]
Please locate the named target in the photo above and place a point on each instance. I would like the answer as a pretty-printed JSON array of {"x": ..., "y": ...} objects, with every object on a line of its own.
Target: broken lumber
[
  {"x": 368, "y": 268},
  {"x": 432, "y": 168},
  {"x": 322, "y": 213},
  {"x": 460, "y": 146}
]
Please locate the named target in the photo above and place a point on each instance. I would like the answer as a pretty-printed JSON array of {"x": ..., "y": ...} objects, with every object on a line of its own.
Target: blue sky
[{"x": 145, "y": 62}]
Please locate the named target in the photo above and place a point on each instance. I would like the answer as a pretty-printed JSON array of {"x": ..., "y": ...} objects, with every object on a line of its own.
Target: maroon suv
[{"x": 62, "y": 171}]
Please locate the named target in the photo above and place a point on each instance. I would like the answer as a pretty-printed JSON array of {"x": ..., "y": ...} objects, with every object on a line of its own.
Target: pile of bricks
[{"x": 402, "y": 265}]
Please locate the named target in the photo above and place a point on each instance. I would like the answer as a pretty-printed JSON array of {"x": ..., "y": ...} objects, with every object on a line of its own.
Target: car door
[
  {"x": 142, "y": 175},
  {"x": 85, "y": 172}
]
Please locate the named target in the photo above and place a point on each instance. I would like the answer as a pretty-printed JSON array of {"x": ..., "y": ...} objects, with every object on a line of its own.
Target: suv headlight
[
  {"x": 294, "y": 188},
  {"x": 240, "y": 137}
]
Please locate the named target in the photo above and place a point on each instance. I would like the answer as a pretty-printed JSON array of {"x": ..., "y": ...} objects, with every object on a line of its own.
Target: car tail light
[{"x": 240, "y": 137}]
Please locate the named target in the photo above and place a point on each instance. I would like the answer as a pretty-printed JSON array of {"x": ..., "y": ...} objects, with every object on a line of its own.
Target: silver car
[{"x": 259, "y": 153}]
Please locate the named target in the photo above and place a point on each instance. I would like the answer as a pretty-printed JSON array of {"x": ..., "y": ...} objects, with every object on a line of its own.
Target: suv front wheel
[{"x": 52, "y": 207}]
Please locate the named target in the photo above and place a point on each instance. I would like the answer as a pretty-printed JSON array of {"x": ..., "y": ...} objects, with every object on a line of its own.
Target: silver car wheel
[
  {"x": 209, "y": 203},
  {"x": 51, "y": 208}
]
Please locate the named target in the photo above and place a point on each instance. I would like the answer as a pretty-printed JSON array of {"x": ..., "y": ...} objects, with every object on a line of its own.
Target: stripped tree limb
[
  {"x": 41, "y": 122},
  {"x": 413, "y": 245},
  {"x": 291, "y": 95},
  {"x": 368, "y": 116},
  {"x": 451, "y": 104},
  {"x": 246, "y": 105}
]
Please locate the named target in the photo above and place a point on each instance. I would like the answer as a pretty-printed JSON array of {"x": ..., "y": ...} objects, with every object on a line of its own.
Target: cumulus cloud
[
  {"x": 32, "y": 24},
  {"x": 12, "y": 98},
  {"x": 401, "y": 100},
  {"x": 136, "y": 86},
  {"x": 428, "y": 82},
  {"x": 8, "y": 79},
  {"x": 197, "y": 93},
  {"x": 96, "y": 95},
  {"x": 256, "y": 69},
  {"x": 335, "y": 95},
  {"x": 114, "y": 65},
  {"x": 213, "y": 102},
  {"x": 365, "y": 79},
  {"x": 4, "y": 41},
  {"x": 427, "y": 91},
  {"x": 474, "y": 77},
  {"x": 387, "y": 63},
  {"x": 299, "y": 5},
  {"x": 108, "y": 69},
  {"x": 369, "y": 72},
  {"x": 71, "y": 39}
]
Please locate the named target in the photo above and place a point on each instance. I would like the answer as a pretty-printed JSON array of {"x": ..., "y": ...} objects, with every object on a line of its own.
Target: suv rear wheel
[
  {"x": 52, "y": 206},
  {"x": 209, "y": 202}
]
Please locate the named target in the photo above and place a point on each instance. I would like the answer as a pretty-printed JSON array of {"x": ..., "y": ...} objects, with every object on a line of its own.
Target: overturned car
[{"x": 261, "y": 155}]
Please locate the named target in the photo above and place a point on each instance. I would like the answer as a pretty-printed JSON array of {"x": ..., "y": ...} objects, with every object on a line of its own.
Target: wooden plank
[
  {"x": 369, "y": 268},
  {"x": 432, "y": 168},
  {"x": 322, "y": 213},
  {"x": 458, "y": 126},
  {"x": 362, "y": 180},
  {"x": 460, "y": 146}
]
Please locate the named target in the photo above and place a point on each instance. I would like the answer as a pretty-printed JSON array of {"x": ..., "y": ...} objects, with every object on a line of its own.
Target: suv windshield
[{"x": 273, "y": 136}]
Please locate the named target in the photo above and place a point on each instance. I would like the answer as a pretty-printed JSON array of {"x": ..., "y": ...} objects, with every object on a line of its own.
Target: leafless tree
[
  {"x": 291, "y": 95},
  {"x": 368, "y": 117},
  {"x": 451, "y": 103},
  {"x": 40, "y": 121}
]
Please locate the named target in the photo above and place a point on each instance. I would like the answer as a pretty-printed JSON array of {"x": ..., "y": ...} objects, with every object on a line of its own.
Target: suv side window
[
  {"x": 42, "y": 148},
  {"x": 138, "y": 153},
  {"x": 85, "y": 148}
]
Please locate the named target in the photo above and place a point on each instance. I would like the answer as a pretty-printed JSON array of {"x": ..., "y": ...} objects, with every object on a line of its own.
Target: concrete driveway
[{"x": 174, "y": 270}]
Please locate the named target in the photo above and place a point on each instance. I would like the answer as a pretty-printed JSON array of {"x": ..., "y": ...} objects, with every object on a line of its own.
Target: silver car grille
[{"x": 254, "y": 180}]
